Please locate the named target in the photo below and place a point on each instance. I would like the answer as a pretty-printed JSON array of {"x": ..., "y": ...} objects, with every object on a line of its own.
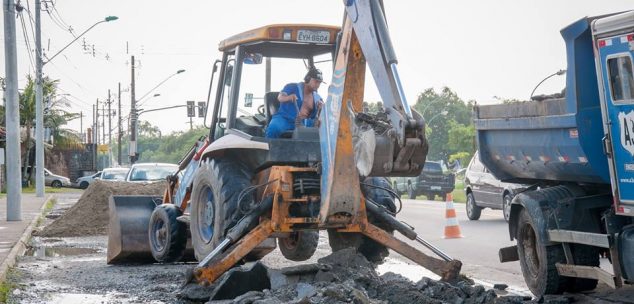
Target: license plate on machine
[
  {"x": 435, "y": 187},
  {"x": 313, "y": 36}
]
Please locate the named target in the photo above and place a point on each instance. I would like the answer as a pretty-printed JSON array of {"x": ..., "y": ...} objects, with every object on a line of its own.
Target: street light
[
  {"x": 134, "y": 113},
  {"x": 39, "y": 115},
  {"x": 443, "y": 113},
  {"x": 558, "y": 73}
]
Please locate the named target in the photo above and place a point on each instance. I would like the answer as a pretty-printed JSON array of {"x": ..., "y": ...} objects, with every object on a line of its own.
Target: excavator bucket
[{"x": 128, "y": 240}]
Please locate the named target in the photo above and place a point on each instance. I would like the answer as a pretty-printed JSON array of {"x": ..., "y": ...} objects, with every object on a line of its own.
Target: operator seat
[{"x": 272, "y": 105}]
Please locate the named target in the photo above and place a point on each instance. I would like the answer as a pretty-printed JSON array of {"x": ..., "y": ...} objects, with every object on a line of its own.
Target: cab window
[{"x": 621, "y": 79}]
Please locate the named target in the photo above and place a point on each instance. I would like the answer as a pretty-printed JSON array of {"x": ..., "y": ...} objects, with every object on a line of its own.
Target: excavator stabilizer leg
[
  {"x": 447, "y": 270},
  {"x": 128, "y": 240}
]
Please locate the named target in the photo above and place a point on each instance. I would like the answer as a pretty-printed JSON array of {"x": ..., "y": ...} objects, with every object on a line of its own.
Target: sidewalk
[{"x": 14, "y": 234}]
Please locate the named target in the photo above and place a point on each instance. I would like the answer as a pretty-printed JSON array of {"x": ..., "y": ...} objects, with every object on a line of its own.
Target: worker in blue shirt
[{"x": 297, "y": 98}]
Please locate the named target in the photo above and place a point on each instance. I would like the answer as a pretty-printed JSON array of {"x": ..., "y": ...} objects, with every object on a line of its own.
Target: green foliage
[
  {"x": 171, "y": 148},
  {"x": 448, "y": 122}
]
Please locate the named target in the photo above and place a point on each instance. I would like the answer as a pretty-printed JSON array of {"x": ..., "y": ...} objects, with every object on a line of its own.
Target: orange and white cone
[{"x": 452, "y": 228}]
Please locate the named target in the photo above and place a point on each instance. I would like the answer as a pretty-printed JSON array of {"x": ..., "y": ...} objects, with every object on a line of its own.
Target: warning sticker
[{"x": 626, "y": 123}]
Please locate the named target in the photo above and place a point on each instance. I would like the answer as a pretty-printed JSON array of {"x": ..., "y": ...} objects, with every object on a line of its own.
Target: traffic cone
[{"x": 452, "y": 228}]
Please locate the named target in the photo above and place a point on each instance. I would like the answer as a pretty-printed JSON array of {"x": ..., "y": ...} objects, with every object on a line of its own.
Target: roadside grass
[
  {"x": 31, "y": 190},
  {"x": 47, "y": 208},
  {"x": 5, "y": 289}
]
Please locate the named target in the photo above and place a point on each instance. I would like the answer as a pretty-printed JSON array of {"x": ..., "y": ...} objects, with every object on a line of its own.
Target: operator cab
[{"x": 256, "y": 65}]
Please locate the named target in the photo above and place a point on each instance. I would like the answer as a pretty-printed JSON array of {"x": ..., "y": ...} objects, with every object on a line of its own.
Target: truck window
[
  {"x": 621, "y": 78},
  {"x": 432, "y": 167}
]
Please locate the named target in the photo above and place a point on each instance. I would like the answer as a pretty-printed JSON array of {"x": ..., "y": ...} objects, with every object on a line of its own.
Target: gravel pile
[{"x": 89, "y": 216}]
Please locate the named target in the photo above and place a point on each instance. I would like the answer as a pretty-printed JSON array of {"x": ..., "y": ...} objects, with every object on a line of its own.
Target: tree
[{"x": 457, "y": 115}]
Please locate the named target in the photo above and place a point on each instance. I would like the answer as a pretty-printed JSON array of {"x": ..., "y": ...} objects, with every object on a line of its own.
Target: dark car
[
  {"x": 483, "y": 190},
  {"x": 434, "y": 180}
]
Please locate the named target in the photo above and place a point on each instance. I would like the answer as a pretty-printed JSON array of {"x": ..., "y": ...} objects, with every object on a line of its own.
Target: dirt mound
[{"x": 89, "y": 216}]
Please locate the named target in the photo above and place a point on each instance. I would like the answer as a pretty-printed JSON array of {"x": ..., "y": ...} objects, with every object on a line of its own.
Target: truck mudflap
[
  {"x": 128, "y": 240},
  {"x": 625, "y": 243}
]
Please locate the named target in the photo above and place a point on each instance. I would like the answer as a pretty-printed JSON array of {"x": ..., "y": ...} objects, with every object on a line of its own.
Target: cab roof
[{"x": 283, "y": 40}]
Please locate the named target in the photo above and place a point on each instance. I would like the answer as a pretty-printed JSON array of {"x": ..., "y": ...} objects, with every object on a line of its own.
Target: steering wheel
[{"x": 261, "y": 109}]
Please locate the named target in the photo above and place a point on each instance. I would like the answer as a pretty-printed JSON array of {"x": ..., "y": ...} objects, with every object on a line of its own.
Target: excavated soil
[{"x": 89, "y": 216}]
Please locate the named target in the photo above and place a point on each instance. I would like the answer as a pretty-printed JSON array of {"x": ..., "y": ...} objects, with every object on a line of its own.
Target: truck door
[{"x": 615, "y": 55}]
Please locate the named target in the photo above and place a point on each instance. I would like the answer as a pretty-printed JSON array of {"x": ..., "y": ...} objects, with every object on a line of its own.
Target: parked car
[
  {"x": 114, "y": 174},
  {"x": 85, "y": 181},
  {"x": 150, "y": 172},
  {"x": 54, "y": 180},
  {"x": 483, "y": 190},
  {"x": 435, "y": 179}
]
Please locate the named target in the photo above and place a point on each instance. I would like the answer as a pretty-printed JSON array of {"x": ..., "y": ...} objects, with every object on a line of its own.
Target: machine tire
[
  {"x": 84, "y": 185},
  {"x": 538, "y": 260},
  {"x": 299, "y": 246},
  {"x": 214, "y": 203},
  {"x": 584, "y": 255},
  {"x": 411, "y": 194},
  {"x": 372, "y": 250},
  {"x": 506, "y": 206},
  {"x": 473, "y": 211},
  {"x": 56, "y": 184},
  {"x": 167, "y": 236}
]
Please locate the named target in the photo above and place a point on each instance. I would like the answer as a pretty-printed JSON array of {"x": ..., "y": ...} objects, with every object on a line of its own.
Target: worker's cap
[{"x": 314, "y": 73}]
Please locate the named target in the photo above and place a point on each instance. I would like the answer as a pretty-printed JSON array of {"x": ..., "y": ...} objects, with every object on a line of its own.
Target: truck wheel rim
[
  {"x": 507, "y": 207},
  {"x": 529, "y": 246},
  {"x": 206, "y": 216}
]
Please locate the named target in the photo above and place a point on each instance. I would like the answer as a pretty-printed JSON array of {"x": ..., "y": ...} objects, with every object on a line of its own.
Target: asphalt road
[{"x": 477, "y": 249}]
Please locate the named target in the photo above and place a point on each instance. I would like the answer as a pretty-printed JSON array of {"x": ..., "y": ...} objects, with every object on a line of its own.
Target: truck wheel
[
  {"x": 584, "y": 255},
  {"x": 473, "y": 211},
  {"x": 168, "y": 237},
  {"x": 372, "y": 250},
  {"x": 443, "y": 197},
  {"x": 214, "y": 203},
  {"x": 299, "y": 246},
  {"x": 411, "y": 194},
  {"x": 506, "y": 206},
  {"x": 538, "y": 260}
]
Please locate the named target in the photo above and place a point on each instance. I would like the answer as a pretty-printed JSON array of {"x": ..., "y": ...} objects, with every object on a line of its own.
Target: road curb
[{"x": 20, "y": 246}]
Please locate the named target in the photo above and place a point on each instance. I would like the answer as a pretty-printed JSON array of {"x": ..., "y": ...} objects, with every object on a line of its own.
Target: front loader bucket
[{"x": 128, "y": 228}]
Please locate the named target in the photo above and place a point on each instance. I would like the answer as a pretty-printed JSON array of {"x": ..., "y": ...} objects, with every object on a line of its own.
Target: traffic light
[
  {"x": 202, "y": 108},
  {"x": 191, "y": 109}
]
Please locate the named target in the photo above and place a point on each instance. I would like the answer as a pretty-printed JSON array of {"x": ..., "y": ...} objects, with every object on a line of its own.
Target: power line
[{"x": 26, "y": 40}]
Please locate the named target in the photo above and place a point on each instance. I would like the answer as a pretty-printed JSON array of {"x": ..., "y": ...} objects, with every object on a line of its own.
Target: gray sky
[{"x": 480, "y": 49}]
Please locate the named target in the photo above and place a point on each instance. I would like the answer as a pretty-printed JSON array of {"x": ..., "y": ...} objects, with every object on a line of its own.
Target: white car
[
  {"x": 85, "y": 181},
  {"x": 150, "y": 172},
  {"x": 114, "y": 174}
]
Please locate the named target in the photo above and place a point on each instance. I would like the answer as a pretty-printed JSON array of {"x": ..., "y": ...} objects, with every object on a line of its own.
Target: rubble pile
[
  {"x": 89, "y": 216},
  {"x": 347, "y": 277}
]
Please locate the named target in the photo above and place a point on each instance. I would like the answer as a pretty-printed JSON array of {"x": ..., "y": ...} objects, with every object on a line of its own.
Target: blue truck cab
[{"x": 577, "y": 152}]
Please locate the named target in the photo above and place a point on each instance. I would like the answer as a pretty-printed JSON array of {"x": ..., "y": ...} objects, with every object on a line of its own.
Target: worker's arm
[{"x": 288, "y": 93}]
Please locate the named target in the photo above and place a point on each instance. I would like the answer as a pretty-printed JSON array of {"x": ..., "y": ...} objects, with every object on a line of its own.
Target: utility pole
[
  {"x": 120, "y": 131},
  {"x": 12, "y": 115},
  {"x": 133, "y": 118},
  {"x": 109, "y": 119},
  {"x": 103, "y": 123},
  {"x": 94, "y": 123},
  {"x": 39, "y": 112},
  {"x": 97, "y": 122},
  {"x": 191, "y": 123},
  {"x": 81, "y": 125}
]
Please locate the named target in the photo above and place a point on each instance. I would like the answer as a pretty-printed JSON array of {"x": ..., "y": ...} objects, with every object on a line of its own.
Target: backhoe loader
[{"x": 250, "y": 194}]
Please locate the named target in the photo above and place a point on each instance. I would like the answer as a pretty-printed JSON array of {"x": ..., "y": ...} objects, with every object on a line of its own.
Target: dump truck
[
  {"x": 250, "y": 194},
  {"x": 577, "y": 153}
]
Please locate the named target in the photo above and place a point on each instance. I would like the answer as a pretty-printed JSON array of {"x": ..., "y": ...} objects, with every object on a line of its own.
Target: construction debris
[{"x": 342, "y": 277}]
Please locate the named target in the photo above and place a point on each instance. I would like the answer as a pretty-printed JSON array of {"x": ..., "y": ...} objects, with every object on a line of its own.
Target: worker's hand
[{"x": 291, "y": 97}]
